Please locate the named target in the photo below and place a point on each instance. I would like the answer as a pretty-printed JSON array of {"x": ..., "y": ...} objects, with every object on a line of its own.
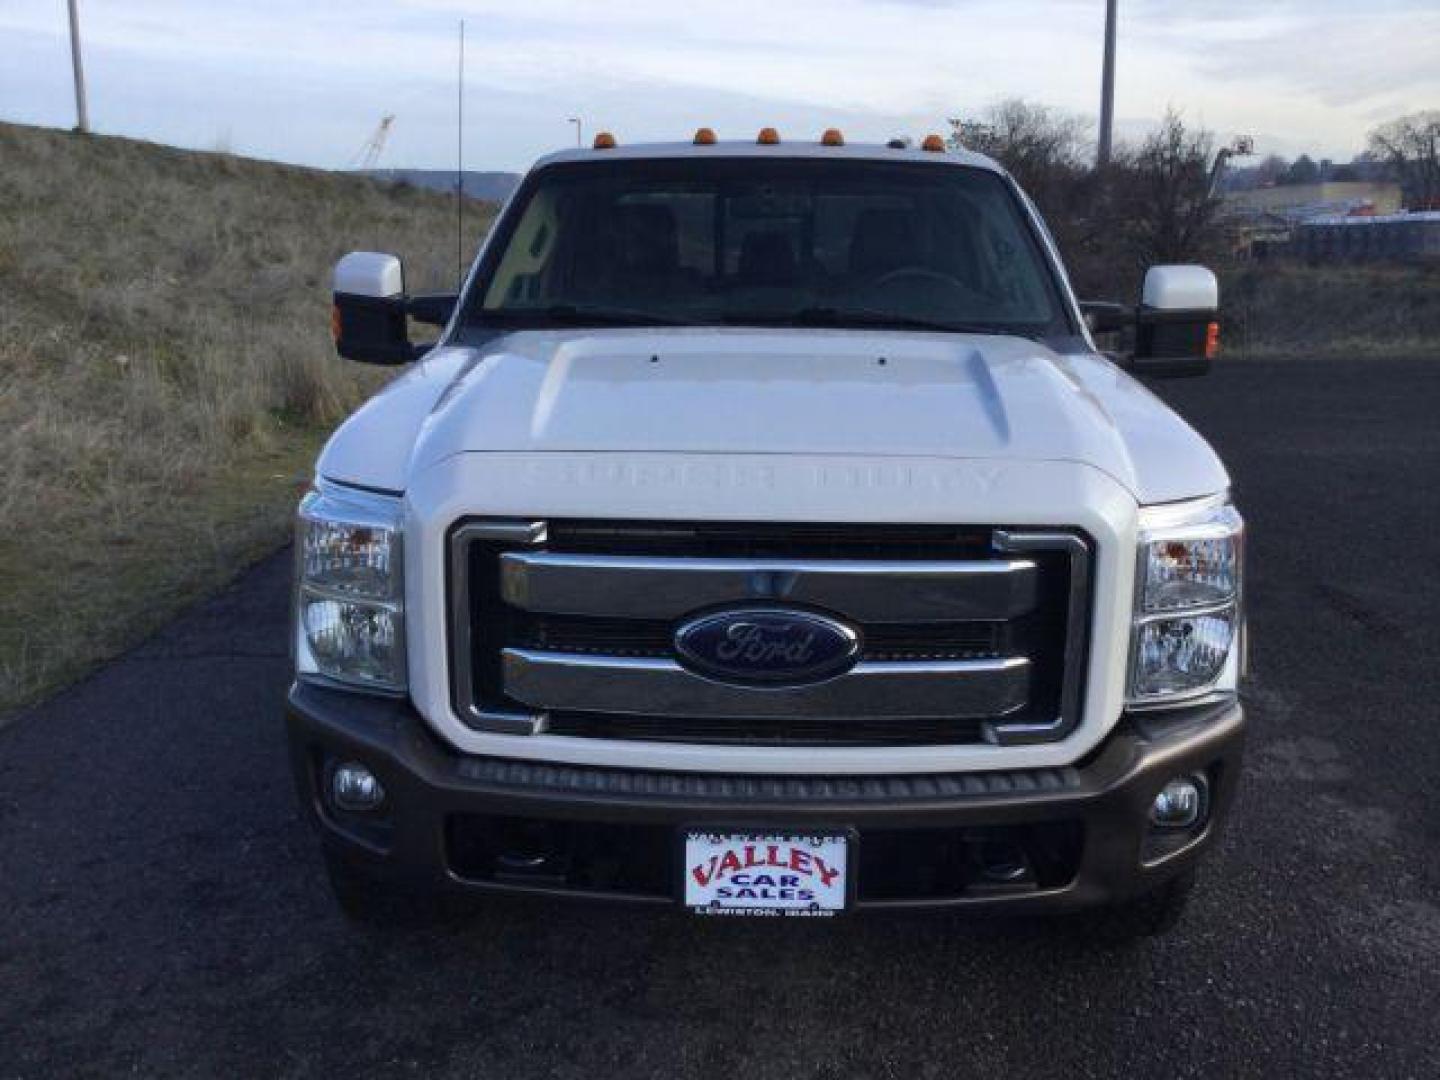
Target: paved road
[{"x": 162, "y": 912}]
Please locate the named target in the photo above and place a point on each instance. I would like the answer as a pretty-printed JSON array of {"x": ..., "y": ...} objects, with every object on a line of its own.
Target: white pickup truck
[{"x": 765, "y": 535}]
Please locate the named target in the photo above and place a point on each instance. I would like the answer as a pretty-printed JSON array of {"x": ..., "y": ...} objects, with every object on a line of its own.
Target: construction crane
[
  {"x": 370, "y": 153},
  {"x": 1243, "y": 146}
]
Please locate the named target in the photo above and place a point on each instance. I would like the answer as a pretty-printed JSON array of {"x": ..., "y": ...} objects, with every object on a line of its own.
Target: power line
[{"x": 460, "y": 168}]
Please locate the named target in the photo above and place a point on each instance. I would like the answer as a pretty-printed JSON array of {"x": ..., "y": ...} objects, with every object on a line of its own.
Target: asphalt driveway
[{"x": 162, "y": 909}]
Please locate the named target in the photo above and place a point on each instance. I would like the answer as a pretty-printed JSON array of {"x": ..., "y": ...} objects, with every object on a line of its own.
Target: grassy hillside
[
  {"x": 1293, "y": 309},
  {"x": 166, "y": 374}
]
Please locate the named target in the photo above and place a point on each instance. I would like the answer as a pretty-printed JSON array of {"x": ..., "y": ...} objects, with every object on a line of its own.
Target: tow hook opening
[
  {"x": 1003, "y": 864},
  {"x": 529, "y": 850}
]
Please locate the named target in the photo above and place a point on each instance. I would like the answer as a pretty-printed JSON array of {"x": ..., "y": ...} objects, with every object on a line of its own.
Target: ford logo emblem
[{"x": 767, "y": 645}]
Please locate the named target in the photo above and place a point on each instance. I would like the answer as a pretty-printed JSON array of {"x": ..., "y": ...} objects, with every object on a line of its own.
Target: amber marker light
[
  {"x": 335, "y": 324},
  {"x": 604, "y": 141},
  {"x": 1212, "y": 341},
  {"x": 934, "y": 144},
  {"x": 832, "y": 137},
  {"x": 705, "y": 137},
  {"x": 768, "y": 137}
]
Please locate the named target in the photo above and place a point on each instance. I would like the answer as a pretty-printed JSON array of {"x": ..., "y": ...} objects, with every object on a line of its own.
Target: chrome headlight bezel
[
  {"x": 1190, "y": 607},
  {"x": 348, "y": 617}
]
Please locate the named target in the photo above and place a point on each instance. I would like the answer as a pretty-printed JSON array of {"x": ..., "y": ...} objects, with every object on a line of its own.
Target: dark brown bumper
[{"x": 613, "y": 834}]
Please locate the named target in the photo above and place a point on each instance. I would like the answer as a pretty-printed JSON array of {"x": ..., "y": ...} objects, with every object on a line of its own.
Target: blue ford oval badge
[{"x": 767, "y": 645}]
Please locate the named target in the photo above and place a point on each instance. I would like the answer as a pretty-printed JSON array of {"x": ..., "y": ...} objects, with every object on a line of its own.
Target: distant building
[
  {"x": 1267, "y": 221},
  {"x": 1300, "y": 202},
  {"x": 1350, "y": 238}
]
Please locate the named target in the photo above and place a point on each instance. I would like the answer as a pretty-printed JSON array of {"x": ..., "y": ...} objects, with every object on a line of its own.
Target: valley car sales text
[{"x": 778, "y": 873}]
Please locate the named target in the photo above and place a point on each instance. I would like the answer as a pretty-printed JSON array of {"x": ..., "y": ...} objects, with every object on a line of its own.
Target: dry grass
[
  {"x": 165, "y": 374},
  {"x": 1366, "y": 310}
]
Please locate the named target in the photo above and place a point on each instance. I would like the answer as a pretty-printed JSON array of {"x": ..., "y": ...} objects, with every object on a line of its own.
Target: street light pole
[
  {"x": 1107, "y": 90},
  {"x": 82, "y": 114}
]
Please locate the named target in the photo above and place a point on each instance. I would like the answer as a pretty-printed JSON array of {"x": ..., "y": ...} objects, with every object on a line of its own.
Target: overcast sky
[{"x": 308, "y": 80}]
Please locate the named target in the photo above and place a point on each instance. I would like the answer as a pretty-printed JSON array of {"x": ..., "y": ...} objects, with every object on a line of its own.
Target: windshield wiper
[
  {"x": 579, "y": 315},
  {"x": 818, "y": 316},
  {"x": 868, "y": 317}
]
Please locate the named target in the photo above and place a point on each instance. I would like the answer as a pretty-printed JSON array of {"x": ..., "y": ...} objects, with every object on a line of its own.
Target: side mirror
[
  {"x": 1103, "y": 317},
  {"x": 369, "y": 317},
  {"x": 1177, "y": 328},
  {"x": 432, "y": 309}
]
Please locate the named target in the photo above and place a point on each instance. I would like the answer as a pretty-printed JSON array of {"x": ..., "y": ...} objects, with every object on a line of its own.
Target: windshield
[{"x": 753, "y": 241}]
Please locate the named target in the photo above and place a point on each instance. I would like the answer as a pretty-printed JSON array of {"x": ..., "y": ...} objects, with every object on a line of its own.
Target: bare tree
[
  {"x": 1411, "y": 147},
  {"x": 1023, "y": 135},
  {"x": 1049, "y": 153},
  {"x": 1162, "y": 194},
  {"x": 1046, "y": 150},
  {"x": 1271, "y": 171},
  {"x": 1302, "y": 171},
  {"x": 1151, "y": 204}
]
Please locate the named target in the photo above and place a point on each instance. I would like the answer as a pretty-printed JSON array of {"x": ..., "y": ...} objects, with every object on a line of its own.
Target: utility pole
[
  {"x": 1107, "y": 90},
  {"x": 82, "y": 115}
]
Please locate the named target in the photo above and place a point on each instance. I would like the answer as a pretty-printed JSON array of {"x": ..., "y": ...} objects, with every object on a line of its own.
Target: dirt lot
[{"x": 164, "y": 911}]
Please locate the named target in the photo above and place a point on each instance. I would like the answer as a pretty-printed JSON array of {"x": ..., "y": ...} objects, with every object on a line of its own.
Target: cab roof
[{"x": 748, "y": 148}]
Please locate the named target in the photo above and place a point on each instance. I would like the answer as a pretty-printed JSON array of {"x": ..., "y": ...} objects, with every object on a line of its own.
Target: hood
[{"x": 705, "y": 391}]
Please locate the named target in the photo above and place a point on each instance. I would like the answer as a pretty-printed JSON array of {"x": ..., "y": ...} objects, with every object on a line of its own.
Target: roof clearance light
[
  {"x": 832, "y": 137},
  {"x": 705, "y": 137},
  {"x": 768, "y": 137},
  {"x": 934, "y": 144},
  {"x": 604, "y": 141}
]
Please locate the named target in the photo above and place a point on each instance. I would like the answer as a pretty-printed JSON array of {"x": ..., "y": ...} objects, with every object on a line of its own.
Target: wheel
[{"x": 1152, "y": 915}]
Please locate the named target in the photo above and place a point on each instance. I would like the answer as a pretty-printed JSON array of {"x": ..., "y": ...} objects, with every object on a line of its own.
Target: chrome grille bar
[
  {"x": 654, "y": 687},
  {"x": 520, "y": 590},
  {"x": 878, "y": 591}
]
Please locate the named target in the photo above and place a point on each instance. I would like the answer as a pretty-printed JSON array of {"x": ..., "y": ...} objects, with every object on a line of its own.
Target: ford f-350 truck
[{"x": 765, "y": 534}]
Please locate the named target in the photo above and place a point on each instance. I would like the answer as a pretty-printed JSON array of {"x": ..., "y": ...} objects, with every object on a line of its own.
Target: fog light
[
  {"x": 1181, "y": 803},
  {"x": 354, "y": 787}
]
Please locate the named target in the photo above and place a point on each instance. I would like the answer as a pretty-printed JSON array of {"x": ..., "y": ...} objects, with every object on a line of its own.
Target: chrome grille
[{"x": 568, "y": 627}]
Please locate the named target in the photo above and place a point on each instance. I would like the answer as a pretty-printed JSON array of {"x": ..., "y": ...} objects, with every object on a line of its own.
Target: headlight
[
  {"x": 1188, "y": 617},
  {"x": 1192, "y": 565},
  {"x": 350, "y": 588}
]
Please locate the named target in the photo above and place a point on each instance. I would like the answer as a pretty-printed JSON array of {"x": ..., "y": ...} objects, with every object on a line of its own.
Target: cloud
[{"x": 307, "y": 81}]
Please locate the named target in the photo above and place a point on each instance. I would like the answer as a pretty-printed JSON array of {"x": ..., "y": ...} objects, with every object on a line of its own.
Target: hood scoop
[{"x": 768, "y": 393}]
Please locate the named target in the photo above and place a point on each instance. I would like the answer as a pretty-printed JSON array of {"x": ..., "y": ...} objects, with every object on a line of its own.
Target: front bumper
[{"x": 459, "y": 823}]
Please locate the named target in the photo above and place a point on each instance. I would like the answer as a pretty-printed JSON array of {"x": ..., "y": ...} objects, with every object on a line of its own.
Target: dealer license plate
[{"x": 764, "y": 874}]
